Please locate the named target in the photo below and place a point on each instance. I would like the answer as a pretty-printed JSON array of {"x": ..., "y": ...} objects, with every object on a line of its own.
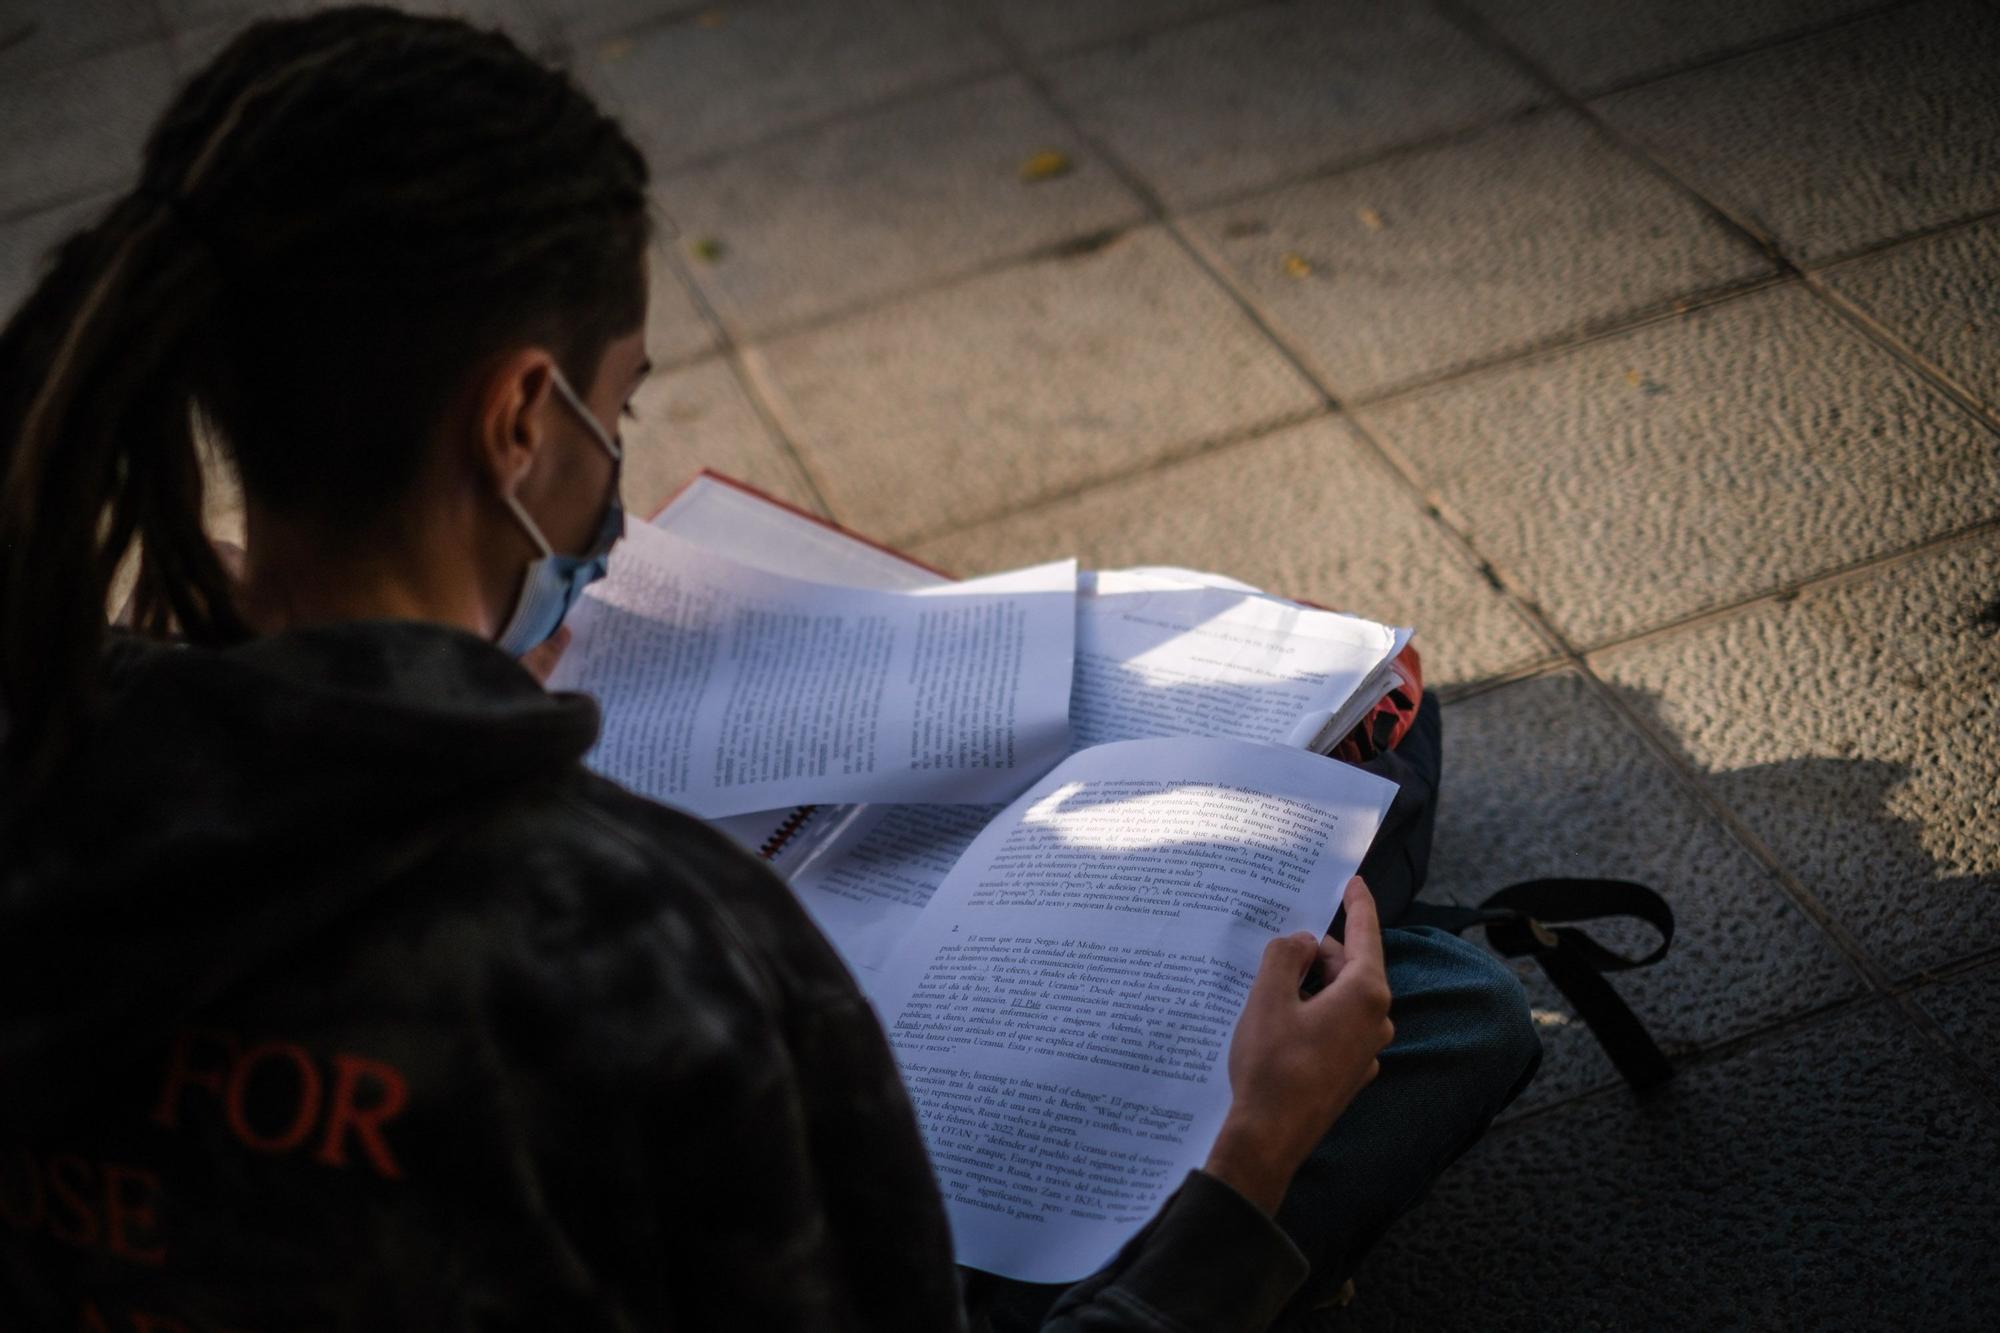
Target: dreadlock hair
[{"x": 334, "y": 224}]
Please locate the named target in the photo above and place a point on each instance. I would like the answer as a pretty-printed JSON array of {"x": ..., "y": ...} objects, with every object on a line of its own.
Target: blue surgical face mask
[{"x": 554, "y": 582}]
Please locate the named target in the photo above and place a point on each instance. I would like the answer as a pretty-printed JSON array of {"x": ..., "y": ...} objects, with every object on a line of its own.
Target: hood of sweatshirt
[{"x": 226, "y": 804}]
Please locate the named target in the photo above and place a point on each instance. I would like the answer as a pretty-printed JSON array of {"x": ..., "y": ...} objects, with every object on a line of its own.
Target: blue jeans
[{"x": 1464, "y": 1048}]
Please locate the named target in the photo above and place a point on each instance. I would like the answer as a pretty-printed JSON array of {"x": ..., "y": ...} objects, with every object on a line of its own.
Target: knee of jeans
[
  {"x": 1514, "y": 1044},
  {"x": 1490, "y": 1007}
]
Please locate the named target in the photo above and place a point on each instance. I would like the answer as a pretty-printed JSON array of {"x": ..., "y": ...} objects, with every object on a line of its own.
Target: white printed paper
[
  {"x": 1152, "y": 659},
  {"x": 1062, "y": 1009},
  {"x": 727, "y": 689}
]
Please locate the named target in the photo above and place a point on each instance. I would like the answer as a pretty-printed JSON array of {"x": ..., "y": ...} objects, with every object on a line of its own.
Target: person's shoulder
[{"x": 585, "y": 872}]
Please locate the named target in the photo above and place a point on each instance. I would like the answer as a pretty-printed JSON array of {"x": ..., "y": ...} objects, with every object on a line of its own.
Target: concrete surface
[{"x": 1640, "y": 352}]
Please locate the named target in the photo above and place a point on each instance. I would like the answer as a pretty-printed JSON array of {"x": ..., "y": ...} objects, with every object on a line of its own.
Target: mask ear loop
[
  {"x": 513, "y": 502},
  {"x": 583, "y": 412},
  {"x": 610, "y": 446}
]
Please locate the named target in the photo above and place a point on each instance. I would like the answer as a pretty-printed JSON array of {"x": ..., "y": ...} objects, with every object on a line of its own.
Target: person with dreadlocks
[{"x": 335, "y": 992}]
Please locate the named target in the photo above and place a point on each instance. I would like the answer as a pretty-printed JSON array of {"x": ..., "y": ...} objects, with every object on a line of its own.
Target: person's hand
[
  {"x": 541, "y": 659},
  {"x": 1296, "y": 1061}
]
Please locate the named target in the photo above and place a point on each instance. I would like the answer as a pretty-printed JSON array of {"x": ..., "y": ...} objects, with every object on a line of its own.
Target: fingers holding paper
[{"x": 1296, "y": 1061}]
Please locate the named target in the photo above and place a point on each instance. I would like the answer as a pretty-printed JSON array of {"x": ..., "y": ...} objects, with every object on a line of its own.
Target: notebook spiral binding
[{"x": 795, "y": 821}]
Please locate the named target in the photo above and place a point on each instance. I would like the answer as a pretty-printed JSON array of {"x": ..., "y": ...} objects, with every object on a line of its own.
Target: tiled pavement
[{"x": 1641, "y": 352}]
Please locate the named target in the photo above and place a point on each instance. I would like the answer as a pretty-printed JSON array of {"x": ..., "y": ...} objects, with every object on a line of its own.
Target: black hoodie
[{"x": 335, "y": 993}]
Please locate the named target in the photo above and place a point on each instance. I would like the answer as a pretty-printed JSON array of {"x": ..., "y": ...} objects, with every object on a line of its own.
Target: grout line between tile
[
  {"x": 1826, "y": 580},
  {"x": 1744, "y": 1043},
  {"x": 1214, "y": 444},
  {"x": 1899, "y": 241},
  {"x": 1945, "y": 973},
  {"x": 890, "y": 296},
  {"x": 1557, "y": 345},
  {"x": 1786, "y": 38},
  {"x": 957, "y": 82},
  {"x": 1899, "y": 349},
  {"x": 1092, "y": 45},
  {"x": 676, "y": 16}
]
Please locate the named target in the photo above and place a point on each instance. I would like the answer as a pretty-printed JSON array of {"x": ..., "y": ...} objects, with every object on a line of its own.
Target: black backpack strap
[{"x": 1518, "y": 921}]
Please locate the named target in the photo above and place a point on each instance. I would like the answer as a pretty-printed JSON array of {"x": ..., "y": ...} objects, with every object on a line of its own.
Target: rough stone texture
[
  {"x": 1855, "y": 731},
  {"x": 1047, "y": 25},
  {"x": 38, "y": 35},
  {"x": 1942, "y": 296},
  {"x": 700, "y": 417},
  {"x": 1967, "y": 1007},
  {"x": 583, "y": 21},
  {"x": 693, "y": 88},
  {"x": 994, "y": 393},
  {"x": 514, "y": 15},
  {"x": 676, "y": 330},
  {"x": 1589, "y": 45},
  {"x": 1773, "y": 1190},
  {"x": 868, "y": 206},
  {"x": 76, "y": 130},
  {"x": 1840, "y": 140},
  {"x": 1248, "y": 99},
  {"x": 25, "y": 246},
  {"x": 1596, "y": 802},
  {"x": 1696, "y": 461},
  {"x": 1306, "y": 512},
  {"x": 1535, "y": 229}
]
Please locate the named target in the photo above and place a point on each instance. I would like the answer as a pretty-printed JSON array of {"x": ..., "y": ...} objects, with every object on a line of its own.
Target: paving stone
[
  {"x": 1589, "y": 45},
  {"x": 1870, "y": 131},
  {"x": 590, "y": 20},
  {"x": 885, "y": 202},
  {"x": 700, "y": 417},
  {"x": 77, "y": 130},
  {"x": 676, "y": 330},
  {"x": 1854, "y": 731},
  {"x": 993, "y": 393},
  {"x": 199, "y": 29},
  {"x": 1306, "y": 512},
  {"x": 26, "y": 245},
  {"x": 1534, "y": 230},
  {"x": 1247, "y": 99},
  {"x": 1050, "y": 25},
  {"x": 1695, "y": 461},
  {"x": 1968, "y": 1008},
  {"x": 689, "y": 90},
  {"x": 1942, "y": 296},
  {"x": 185, "y": 15},
  {"x": 1543, "y": 778},
  {"x": 1834, "y": 1179},
  {"x": 39, "y": 35}
]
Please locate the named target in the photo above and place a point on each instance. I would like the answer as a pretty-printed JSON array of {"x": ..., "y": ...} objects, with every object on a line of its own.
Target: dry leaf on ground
[{"x": 1046, "y": 165}]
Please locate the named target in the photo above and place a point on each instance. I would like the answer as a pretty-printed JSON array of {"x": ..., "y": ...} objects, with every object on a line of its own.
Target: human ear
[{"x": 511, "y": 416}]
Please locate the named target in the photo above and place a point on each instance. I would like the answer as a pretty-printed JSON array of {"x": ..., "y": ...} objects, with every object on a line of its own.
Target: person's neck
[{"x": 296, "y": 576}]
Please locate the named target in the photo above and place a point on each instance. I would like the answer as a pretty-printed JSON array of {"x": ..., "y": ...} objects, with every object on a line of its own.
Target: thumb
[{"x": 1286, "y": 959}]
